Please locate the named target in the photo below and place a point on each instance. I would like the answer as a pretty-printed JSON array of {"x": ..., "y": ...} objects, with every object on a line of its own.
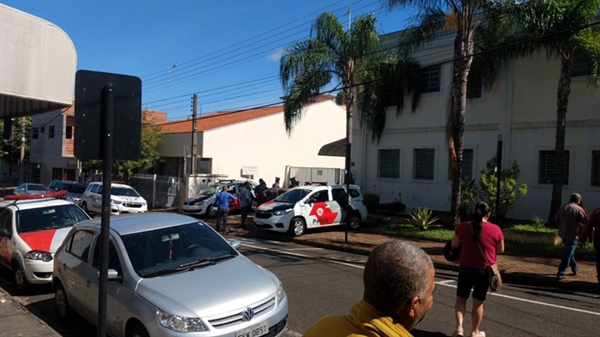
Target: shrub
[
  {"x": 371, "y": 201},
  {"x": 392, "y": 207},
  {"x": 422, "y": 218}
]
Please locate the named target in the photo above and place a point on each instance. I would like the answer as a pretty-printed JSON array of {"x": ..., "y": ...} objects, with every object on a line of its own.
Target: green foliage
[
  {"x": 486, "y": 188},
  {"x": 392, "y": 207},
  {"x": 538, "y": 222},
  {"x": 422, "y": 218},
  {"x": 533, "y": 228},
  {"x": 14, "y": 145},
  {"x": 151, "y": 138},
  {"x": 371, "y": 201}
]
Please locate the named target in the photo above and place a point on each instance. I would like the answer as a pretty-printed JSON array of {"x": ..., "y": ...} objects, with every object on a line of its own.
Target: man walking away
[
  {"x": 261, "y": 192},
  {"x": 594, "y": 225},
  {"x": 568, "y": 218},
  {"x": 222, "y": 200},
  {"x": 245, "y": 203}
]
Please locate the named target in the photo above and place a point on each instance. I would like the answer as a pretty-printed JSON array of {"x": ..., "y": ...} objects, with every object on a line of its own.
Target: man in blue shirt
[{"x": 222, "y": 200}]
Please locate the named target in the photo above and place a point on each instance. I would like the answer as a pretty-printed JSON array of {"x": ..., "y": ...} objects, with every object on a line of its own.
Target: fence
[{"x": 159, "y": 191}]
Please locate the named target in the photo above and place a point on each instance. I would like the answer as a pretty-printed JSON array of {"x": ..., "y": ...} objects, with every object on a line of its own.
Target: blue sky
[{"x": 227, "y": 52}]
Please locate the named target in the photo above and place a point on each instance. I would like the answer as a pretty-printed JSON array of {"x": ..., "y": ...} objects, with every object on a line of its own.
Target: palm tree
[
  {"x": 331, "y": 53},
  {"x": 565, "y": 30},
  {"x": 467, "y": 19}
]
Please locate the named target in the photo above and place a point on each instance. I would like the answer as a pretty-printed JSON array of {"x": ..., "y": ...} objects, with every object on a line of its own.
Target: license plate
[{"x": 253, "y": 331}]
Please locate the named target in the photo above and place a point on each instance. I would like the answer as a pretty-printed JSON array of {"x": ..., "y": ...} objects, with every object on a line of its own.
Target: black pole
[
  {"x": 108, "y": 111},
  {"x": 498, "y": 171}
]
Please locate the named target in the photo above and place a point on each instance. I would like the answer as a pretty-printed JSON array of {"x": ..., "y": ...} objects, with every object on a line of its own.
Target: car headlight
[
  {"x": 282, "y": 212},
  {"x": 116, "y": 202},
  {"x": 199, "y": 203},
  {"x": 180, "y": 323},
  {"x": 280, "y": 293},
  {"x": 38, "y": 255}
]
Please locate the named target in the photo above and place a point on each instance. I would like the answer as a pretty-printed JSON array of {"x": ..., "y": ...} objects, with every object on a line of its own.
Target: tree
[
  {"x": 308, "y": 66},
  {"x": 10, "y": 149},
  {"x": 566, "y": 30},
  {"x": 469, "y": 19},
  {"x": 151, "y": 137}
]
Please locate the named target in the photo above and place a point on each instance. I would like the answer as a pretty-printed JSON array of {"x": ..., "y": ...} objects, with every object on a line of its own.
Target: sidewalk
[{"x": 15, "y": 320}]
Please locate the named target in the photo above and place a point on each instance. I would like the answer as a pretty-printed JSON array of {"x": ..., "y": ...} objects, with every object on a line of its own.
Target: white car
[
  {"x": 202, "y": 204},
  {"x": 168, "y": 275},
  {"x": 312, "y": 206},
  {"x": 123, "y": 199},
  {"x": 31, "y": 229}
]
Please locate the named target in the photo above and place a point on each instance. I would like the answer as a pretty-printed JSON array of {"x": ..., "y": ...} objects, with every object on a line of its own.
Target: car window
[
  {"x": 354, "y": 193},
  {"x": 168, "y": 248},
  {"x": 113, "y": 257},
  {"x": 53, "y": 185},
  {"x": 320, "y": 196},
  {"x": 95, "y": 188},
  {"x": 51, "y": 217},
  {"x": 74, "y": 187},
  {"x": 292, "y": 196},
  {"x": 80, "y": 243},
  {"x": 339, "y": 195},
  {"x": 33, "y": 187},
  {"x": 211, "y": 190},
  {"x": 124, "y": 191}
]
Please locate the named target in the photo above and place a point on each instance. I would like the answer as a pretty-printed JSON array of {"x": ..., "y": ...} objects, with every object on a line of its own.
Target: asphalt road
[{"x": 320, "y": 282}]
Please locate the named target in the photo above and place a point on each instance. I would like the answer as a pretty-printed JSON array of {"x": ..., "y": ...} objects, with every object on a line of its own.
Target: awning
[
  {"x": 37, "y": 65},
  {"x": 334, "y": 149}
]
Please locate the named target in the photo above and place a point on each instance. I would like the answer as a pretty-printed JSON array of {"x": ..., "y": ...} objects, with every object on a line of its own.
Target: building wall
[{"x": 521, "y": 106}]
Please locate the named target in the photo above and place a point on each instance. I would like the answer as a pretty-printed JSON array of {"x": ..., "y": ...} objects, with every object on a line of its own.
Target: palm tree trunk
[
  {"x": 562, "y": 102},
  {"x": 350, "y": 99}
]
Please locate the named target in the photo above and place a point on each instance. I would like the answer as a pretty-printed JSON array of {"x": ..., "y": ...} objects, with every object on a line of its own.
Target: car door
[
  {"x": 323, "y": 210},
  {"x": 6, "y": 249},
  {"x": 340, "y": 199},
  {"x": 96, "y": 198}
]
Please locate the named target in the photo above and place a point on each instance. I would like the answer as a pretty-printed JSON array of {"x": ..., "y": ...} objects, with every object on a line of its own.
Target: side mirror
[
  {"x": 113, "y": 275},
  {"x": 236, "y": 244}
]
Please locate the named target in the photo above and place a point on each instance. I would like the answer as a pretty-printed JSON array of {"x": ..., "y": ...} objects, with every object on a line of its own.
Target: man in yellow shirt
[{"x": 399, "y": 286}]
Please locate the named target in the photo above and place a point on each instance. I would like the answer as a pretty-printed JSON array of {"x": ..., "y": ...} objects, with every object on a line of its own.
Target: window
[
  {"x": 80, "y": 243},
  {"x": 113, "y": 257},
  {"x": 69, "y": 132},
  {"x": 596, "y": 168},
  {"x": 430, "y": 79},
  {"x": 388, "y": 163},
  {"x": 423, "y": 164},
  {"x": 391, "y": 85},
  {"x": 475, "y": 83},
  {"x": 35, "y": 133},
  {"x": 546, "y": 167},
  {"x": 42, "y": 129},
  {"x": 51, "y": 131},
  {"x": 339, "y": 195},
  {"x": 204, "y": 165},
  {"x": 467, "y": 164}
]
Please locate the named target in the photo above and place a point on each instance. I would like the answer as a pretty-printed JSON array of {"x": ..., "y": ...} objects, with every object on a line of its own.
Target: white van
[{"x": 312, "y": 206}]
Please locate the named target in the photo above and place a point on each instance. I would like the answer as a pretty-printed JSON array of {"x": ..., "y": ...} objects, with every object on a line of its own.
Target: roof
[
  {"x": 224, "y": 118},
  {"x": 36, "y": 77},
  {"x": 335, "y": 149},
  {"x": 34, "y": 203}
]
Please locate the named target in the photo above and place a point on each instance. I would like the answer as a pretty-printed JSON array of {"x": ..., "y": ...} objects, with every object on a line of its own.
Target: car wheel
[
  {"x": 297, "y": 226},
  {"x": 212, "y": 211},
  {"x": 254, "y": 205},
  {"x": 137, "y": 330},
  {"x": 20, "y": 278},
  {"x": 61, "y": 303},
  {"x": 84, "y": 206},
  {"x": 354, "y": 221}
]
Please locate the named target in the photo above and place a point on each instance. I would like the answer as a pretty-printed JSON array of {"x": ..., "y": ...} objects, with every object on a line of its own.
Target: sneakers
[
  {"x": 477, "y": 334},
  {"x": 458, "y": 333}
]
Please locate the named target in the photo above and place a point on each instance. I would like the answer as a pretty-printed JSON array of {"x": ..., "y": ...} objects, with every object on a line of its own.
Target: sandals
[
  {"x": 478, "y": 334},
  {"x": 458, "y": 333}
]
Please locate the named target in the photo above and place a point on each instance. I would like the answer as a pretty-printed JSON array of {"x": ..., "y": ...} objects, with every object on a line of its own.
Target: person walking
[
  {"x": 472, "y": 273},
  {"x": 569, "y": 217},
  {"x": 594, "y": 225},
  {"x": 245, "y": 203},
  {"x": 222, "y": 200},
  {"x": 398, "y": 292}
]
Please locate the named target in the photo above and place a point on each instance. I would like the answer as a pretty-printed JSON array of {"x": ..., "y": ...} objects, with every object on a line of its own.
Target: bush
[
  {"x": 371, "y": 201},
  {"x": 422, "y": 218},
  {"x": 392, "y": 207}
]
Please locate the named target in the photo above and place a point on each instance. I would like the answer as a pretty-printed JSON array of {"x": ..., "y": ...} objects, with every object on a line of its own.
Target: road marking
[
  {"x": 307, "y": 248},
  {"x": 445, "y": 283}
]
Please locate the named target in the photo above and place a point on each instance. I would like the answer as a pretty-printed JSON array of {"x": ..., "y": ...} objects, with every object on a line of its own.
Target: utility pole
[
  {"x": 22, "y": 156},
  {"x": 194, "y": 151}
]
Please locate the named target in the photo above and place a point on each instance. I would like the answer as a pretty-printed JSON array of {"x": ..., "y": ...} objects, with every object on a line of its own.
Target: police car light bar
[{"x": 36, "y": 196}]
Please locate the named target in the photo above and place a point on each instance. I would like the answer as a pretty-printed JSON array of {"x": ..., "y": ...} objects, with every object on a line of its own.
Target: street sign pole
[{"x": 107, "y": 112}]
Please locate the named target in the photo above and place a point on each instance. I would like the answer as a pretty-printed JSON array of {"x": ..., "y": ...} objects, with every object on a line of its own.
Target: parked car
[
  {"x": 29, "y": 189},
  {"x": 123, "y": 199},
  {"x": 169, "y": 275},
  {"x": 310, "y": 207},
  {"x": 75, "y": 189},
  {"x": 202, "y": 204},
  {"x": 31, "y": 229}
]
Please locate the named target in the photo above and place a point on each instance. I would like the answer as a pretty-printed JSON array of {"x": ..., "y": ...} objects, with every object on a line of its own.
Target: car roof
[
  {"x": 112, "y": 184},
  {"x": 135, "y": 223},
  {"x": 317, "y": 187},
  {"x": 34, "y": 203}
]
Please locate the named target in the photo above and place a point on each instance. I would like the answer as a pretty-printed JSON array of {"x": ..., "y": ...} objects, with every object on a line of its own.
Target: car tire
[
  {"x": 297, "y": 226},
  {"x": 354, "y": 221},
  {"x": 254, "y": 205},
  {"x": 61, "y": 303},
  {"x": 20, "y": 278},
  {"x": 137, "y": 330},
  {"x": 211, "y": 211}
]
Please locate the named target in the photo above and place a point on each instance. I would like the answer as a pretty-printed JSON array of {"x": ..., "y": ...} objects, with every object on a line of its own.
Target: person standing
[
  {"x": 245, "y": 203},
  {"x": 261, "y": 192},
  {"x": 594, "y": 225},
  {"x": 398, "y": 292},
  {"x": 222, "y": 200},
  {"x": 472, "y": 273},
  {"x": 569, "y": 217}
]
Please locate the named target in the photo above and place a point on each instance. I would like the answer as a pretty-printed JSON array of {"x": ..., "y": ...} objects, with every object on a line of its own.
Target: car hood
[
  {"x": 46, "y": 241},
  {"x": 199, "y": 198},
  {"x": 210, "y": 291},
  {"x": 127, "y": 199},
  {"x": 274, "y": 206}
]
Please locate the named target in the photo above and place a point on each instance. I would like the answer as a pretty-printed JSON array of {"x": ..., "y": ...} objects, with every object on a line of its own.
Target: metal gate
[
  {"x": 324, "y": 175},
  {"x": 159, "y": 191}
]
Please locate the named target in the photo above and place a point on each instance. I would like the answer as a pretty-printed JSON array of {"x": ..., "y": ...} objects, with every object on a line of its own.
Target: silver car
[{"x": 169, "y": 275}]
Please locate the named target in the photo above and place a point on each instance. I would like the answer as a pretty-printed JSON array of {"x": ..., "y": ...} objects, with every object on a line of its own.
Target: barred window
[
  {"x": 547, "y": 163},
  {"x": 388, "y": 164},
  {"x": 430, "y": 79},
  {"x": 35, "y": 132},
  {"x": 423, "y": 164}
]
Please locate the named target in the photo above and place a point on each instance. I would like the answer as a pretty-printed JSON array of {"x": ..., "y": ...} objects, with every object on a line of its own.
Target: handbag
[
  {"x": 493, "y": 272},
  {"x": 451, "y": 254}
]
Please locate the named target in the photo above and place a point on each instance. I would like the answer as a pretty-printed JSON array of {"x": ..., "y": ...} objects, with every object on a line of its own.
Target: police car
[
  {"x": 31, "y": 229},
  {"x": 312, "y": 206}
]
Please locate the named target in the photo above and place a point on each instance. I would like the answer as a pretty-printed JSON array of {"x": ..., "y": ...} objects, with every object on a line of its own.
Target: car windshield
[
  {"x": 292, "y": 196},
  {"x": 175, "y": 249},
  {"x": 74, "y": 188},
  {"x": 212, "y": 190},
  {"x": 51, "y": 217},
  {"x": 32, "y": 187},
  {"x": 124, "y": 191}
]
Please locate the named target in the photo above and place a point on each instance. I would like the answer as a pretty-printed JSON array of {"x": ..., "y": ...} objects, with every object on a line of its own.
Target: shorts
[
  {"x": 475, "y": 279},
  {"x": 245, "y": 210}
]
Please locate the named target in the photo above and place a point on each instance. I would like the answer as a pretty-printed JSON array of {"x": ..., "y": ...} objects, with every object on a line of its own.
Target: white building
[
  {"x": 410, "y": 162},
  {"x": 253, "y": 144}
]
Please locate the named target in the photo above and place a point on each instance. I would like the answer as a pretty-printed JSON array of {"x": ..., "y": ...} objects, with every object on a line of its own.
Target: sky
[{"x": 226, "y": 52}]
